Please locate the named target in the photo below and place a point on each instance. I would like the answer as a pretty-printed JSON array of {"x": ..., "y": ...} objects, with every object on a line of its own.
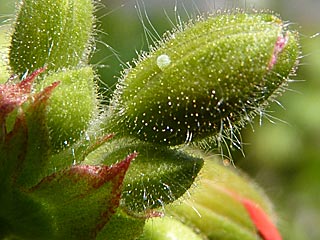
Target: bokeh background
[{"x": 283, "y": 157}]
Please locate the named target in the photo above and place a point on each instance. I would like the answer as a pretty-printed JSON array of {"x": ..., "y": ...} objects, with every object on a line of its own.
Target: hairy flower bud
[
  {"x": 214, "y": 75},
  {"x": 54, "y": 33},
  {"x": 72, "y": 106},
  {"x": 4, "y": 49},
  {"x": 163, "y": 228},
  {"x": 227, "y": 205}
]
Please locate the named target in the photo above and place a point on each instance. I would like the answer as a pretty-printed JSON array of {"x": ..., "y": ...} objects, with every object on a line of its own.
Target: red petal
[{"x": 261, "y": 220}]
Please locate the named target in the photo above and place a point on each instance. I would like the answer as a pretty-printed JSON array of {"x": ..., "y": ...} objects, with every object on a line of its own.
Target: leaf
[
  {"x": 14, "y": 95},
  {"x": 23, "y": 159}
]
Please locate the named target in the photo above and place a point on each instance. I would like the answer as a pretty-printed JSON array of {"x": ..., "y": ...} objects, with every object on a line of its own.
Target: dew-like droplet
[{"x": 163, "y": 61}]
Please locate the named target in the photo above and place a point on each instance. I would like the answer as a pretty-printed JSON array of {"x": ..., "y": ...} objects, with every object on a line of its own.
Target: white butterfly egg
[{"x": 163, "y": 61}]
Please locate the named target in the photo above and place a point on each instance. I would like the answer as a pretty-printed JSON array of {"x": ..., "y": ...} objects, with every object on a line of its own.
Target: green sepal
[
  {"x": 37, "y": 148},
  {"x": 24, "y": 149},
  {"x": 77, "y": 153},
  {"x": 23, "y": 161},
  {"x": 158, "y": 176},
  {"x": 82, "y": 198},
  {"x": 52, "y": 33},
  {"x": 21, "y": 217}
]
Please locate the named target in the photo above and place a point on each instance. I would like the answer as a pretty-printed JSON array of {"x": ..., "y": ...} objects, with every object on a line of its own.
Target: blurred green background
[{"x": 284, "y": 158}]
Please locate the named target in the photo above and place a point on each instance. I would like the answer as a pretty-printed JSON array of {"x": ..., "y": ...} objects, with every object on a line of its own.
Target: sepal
[
  {"x": 83, "y": 198},
  {"x": 158, "y": 176}
]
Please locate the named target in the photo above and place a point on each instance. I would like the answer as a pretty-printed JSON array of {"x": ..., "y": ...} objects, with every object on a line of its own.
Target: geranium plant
[{"x": 72, "y": 167}]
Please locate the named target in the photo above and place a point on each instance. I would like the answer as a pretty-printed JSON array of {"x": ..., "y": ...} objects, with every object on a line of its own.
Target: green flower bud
[
  {"x": 72, "y": 106},
  {"x": 122, "y": 226},
  {"x": 224, "y": 206},
  {"x": 4, "y": 49},
  {"x": 167, "y": 228},
  {"x": 214, "y": 75},
  {"x": 52, "y": 33}
]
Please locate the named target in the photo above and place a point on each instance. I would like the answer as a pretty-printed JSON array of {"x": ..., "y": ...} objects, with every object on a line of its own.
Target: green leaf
[
  {"x": 208, "y": 79},
  {"x": 23, "y": 218},
  {"x": 24, "y": 148},
  {"x": 33, "y": 162}
]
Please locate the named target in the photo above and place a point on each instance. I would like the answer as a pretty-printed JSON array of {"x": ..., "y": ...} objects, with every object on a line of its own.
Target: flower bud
[
  {"x": 122, "y": 226},
  {"x": 167, "y": 228},
  {"x": 214, "y": 75},
  {"x": 4, "y": 49},
  {"x": 72, "y": 106},
  {"x": 227, "y": 205},
  {"x": 52, "y": 33}
]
